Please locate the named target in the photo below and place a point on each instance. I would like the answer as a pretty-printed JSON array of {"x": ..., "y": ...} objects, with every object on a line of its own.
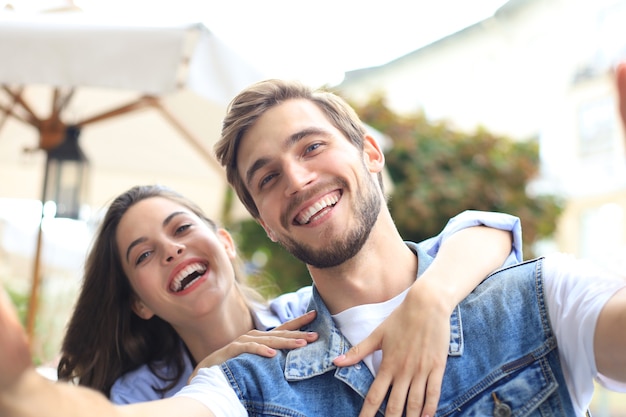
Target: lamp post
[{"x": 64, "y": 184}]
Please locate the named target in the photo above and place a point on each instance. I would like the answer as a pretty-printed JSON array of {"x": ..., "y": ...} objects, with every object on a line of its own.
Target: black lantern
[{"x": 64, "y": 180}]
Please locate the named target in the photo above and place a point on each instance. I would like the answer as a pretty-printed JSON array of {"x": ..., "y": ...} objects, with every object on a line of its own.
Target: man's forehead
[{"x": 275, "y": 126}]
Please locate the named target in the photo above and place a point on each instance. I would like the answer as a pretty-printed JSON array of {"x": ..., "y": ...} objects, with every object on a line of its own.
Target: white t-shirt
[{"x": 573, "y": 306}]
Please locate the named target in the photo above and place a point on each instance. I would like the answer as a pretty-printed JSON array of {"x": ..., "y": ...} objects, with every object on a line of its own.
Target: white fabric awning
[{"x": 151, "y": 57}]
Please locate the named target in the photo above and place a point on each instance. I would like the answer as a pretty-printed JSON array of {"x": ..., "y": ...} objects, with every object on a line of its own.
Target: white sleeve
[
  {"x": 471, "y": 218},
  {"x": 211, "y": 388},
  {"x": 576, "y": 291}
]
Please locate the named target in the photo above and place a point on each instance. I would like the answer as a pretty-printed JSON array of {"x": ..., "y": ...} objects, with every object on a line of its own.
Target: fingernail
[
  {"x": 300, "y": 342},
  {"x": 340, "y": 357}
]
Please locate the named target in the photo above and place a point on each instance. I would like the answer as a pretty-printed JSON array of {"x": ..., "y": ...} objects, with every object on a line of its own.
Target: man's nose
[{"x": 298, "y": 176}]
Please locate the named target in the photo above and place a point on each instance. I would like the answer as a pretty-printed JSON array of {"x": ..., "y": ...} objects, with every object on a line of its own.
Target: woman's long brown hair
[{"x": 104, "y": 338}]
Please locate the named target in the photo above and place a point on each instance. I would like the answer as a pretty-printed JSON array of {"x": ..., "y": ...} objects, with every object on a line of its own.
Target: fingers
[
  {"x": 433, "y": 392},
  {"x": 273, "y": 340},
  {"x": 261, "y": 343},
  {"x": 404, "y": 393},
  {"x": 298, "y": 322},
  {"x": 376, "y": 394},
  {"x": 410, "y": 398},
  {"x": 356, "y": 353}
]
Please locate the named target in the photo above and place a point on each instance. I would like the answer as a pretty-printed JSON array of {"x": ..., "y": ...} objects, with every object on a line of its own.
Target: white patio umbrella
[{"x": 149, "y": 98}]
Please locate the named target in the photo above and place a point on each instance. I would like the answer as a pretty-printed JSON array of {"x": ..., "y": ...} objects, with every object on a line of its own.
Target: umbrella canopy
[{"x": 148, "y": 97}]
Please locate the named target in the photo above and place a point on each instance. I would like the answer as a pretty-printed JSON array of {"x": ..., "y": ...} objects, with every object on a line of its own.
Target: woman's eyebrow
[{"x": 136, "y": 242}]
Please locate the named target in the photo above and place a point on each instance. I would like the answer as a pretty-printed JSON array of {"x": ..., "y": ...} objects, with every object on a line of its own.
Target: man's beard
[{"x": 338, "y": 251}]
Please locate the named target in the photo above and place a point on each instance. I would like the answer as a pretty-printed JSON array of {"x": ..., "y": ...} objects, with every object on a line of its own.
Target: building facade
[{"x": 536, "y": 69}]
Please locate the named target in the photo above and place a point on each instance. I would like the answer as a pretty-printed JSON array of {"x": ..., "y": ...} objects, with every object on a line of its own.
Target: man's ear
[
  {"x": 140, "y": 309},
  {"x": 374, "y": 157},
  {"x": 268, "y": 231}
]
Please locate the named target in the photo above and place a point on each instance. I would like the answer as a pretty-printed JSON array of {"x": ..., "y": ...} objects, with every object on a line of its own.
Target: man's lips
[{"x": 307, "y": 214}]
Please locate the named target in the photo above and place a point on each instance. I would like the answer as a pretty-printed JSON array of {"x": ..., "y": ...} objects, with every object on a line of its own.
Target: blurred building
[{"x": 536, "y": 69}]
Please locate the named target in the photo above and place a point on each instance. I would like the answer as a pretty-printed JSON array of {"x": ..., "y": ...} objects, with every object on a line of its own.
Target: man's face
[{"x": 315, "y": 191}]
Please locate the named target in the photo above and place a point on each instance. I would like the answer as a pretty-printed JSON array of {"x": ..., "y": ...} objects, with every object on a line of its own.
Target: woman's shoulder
[{"x": 146, "y": 383}]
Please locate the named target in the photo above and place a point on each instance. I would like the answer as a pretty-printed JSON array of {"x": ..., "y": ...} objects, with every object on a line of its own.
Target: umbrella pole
[{"x": 33, "y": 301}]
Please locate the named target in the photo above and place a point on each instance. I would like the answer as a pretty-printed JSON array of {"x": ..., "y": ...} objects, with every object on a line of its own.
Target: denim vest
[{"x": 503, "y": 360}]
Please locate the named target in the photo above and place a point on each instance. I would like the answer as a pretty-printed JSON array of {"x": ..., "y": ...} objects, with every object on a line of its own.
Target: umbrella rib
[
  {"x": 32, "y": 118},
  {"x": 59, "y": 101},
  {"x": 135, "y": 105},
  {"x": 156, "y": 103},
  {"x": 193, "y": 141}
]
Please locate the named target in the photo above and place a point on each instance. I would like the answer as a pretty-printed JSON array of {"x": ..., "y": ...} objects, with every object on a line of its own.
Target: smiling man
[{"x": 306, "y": 169}]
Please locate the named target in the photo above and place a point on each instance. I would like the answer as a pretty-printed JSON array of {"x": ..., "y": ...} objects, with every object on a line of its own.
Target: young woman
[{"x": 163, "y": 290}]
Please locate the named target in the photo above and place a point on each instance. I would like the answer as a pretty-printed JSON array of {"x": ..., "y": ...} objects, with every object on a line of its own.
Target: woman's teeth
[{"x": 187, "y": 276}]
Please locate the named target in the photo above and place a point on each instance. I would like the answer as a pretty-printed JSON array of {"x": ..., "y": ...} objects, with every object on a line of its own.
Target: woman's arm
[{"x": 415, "y": 338}]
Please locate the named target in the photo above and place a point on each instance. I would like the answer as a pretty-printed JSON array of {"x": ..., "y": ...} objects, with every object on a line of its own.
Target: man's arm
[{"x": 610, "y": 338}]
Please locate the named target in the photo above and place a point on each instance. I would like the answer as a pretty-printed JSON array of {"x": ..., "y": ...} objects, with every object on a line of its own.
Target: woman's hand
[
  {"x": 415, "y": 343},
  {"x": 263, "y": 343}
]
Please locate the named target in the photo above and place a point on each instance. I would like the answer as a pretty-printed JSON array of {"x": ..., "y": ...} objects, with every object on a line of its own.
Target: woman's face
[{"x": 177, "y": 265}]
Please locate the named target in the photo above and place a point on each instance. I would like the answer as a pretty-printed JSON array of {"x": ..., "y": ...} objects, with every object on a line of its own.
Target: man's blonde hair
[{"x": 254, "y": 101}]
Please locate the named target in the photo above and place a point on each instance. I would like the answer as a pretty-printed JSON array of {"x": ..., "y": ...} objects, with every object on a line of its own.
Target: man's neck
[{"x": 382, "y": 269}]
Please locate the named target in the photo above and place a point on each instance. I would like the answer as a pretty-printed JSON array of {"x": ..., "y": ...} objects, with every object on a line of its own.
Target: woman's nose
[{"x": 174, "y": 252}]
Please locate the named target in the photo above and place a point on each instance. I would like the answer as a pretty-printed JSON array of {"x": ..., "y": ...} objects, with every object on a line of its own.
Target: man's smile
[{"x": 317, "y": 209}]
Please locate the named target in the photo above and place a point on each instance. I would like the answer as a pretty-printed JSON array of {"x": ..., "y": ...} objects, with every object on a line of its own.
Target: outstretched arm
[
  {"x": 610, "y": 338},
  {"x": 415, "y": 338},
  {"x": 25, "y": 393}
]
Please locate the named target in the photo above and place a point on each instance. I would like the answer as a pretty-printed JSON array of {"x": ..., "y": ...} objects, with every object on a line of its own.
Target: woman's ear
[
  {"x": 228, "y": 242},
  {"x": 140, "y": 309},
  {"x": 374, "y": 157}
]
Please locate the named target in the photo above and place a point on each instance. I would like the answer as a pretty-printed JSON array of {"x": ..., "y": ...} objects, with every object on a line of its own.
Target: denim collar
[{"x": 317, "y": 358}]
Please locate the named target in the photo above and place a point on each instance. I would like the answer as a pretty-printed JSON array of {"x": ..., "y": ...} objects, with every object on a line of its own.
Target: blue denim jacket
[{"x": 503, "y": 360}]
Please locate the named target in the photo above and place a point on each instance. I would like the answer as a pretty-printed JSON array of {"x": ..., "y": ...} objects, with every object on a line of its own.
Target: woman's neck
[{"x": 218, "y": 328}]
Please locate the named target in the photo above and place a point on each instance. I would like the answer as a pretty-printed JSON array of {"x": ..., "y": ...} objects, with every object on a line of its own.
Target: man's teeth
[
  {"x": 306, "y": 215},
  {"x": 187, "y": 276}
]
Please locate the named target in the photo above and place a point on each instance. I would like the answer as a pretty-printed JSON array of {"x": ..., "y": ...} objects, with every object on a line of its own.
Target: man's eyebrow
[
  {"x": 136, "y": 242},
  {"x": 291, "y": 140},
  {"x": 257, "y": 165}
]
